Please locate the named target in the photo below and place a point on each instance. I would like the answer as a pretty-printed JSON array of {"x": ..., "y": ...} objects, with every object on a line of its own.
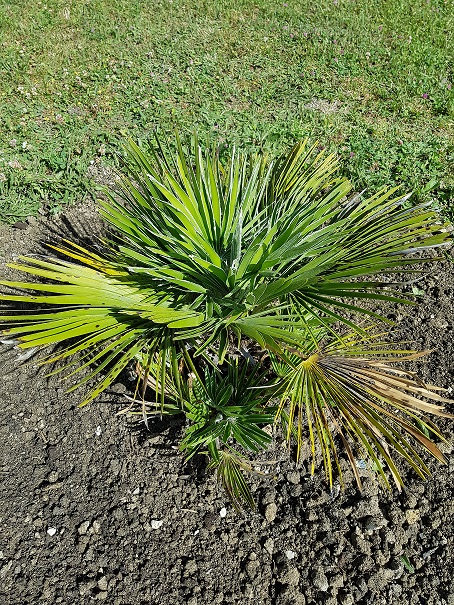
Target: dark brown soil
[{"x": 94, "y": 507}]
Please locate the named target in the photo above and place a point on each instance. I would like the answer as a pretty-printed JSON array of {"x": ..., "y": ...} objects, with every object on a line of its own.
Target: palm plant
[{"x": 238, "y": 286}]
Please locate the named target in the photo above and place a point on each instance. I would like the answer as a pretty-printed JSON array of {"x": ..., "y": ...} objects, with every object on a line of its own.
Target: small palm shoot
[{"x": 229, "y": 283}]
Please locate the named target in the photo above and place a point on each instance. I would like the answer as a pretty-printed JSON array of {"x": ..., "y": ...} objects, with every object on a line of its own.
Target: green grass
[{"x": 371, "y": 80}]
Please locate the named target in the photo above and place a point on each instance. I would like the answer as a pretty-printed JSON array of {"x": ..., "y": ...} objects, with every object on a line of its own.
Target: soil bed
[{"x": 94, "y": 507}]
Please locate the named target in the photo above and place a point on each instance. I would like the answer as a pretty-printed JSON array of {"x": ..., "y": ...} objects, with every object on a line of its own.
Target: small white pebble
[
  {"x": 98, "y": 431},
  {"x": 290, "y": 554},
  {"x": 136, "y": 492},
  {"x": 52, "y": 531},
  {"x": 335, "y": 491},
  {"x": 223, "y": 512},
  {"x": 196, "y": 532},
  {"x": 83, "y": 528},
  {"x": 156, "y": 524}
]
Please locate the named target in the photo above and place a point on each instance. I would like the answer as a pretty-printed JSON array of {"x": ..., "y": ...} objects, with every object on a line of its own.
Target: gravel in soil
[{"x": 95, "y": 508}]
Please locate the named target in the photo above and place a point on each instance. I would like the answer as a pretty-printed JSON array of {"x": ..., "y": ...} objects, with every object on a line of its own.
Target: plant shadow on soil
[{"x": 95, "y": 507}]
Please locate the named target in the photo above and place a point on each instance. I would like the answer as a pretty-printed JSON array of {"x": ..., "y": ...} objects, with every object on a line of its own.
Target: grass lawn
[{"x": 372, "y": 80}]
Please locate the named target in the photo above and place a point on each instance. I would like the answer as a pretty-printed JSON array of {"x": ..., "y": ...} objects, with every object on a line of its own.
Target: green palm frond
[
  {"x": 229, "y": 408},
  {"x": 229, "y": 467},
  {"x": 109, "y": 315}
]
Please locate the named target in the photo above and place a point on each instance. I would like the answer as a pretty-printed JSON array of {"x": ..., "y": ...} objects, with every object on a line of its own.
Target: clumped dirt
[{"x": 93, "y": 507}]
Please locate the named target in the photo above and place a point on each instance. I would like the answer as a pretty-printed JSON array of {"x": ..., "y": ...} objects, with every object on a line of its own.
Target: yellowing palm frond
[{"x": 375, "y": 409}]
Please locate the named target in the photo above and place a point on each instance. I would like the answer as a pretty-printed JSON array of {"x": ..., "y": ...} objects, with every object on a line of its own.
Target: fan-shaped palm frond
[
  {"x": 229, "y": 467},
  {"x": 110, "y": 316},
  {"x": 375, "y": 409},
  {"x": 229, "y": 408}
]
